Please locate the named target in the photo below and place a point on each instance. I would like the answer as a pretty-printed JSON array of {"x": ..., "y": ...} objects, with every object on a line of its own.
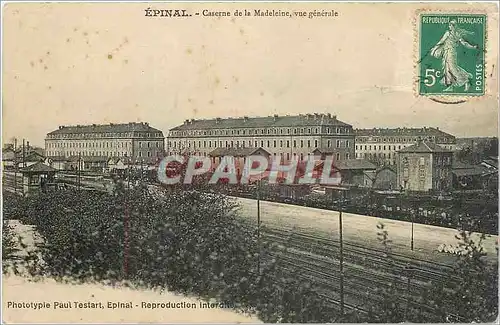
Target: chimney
[
  {"x": 192, "y": 120},
  {"x": 245, "y": 119},
  {"x": 146, "y": 123},
  {"x": 61, "y": 127},
  {"x": 217, "y": 120},
  {"x": 186, "y": 122},
  {"x": 329, "y": 115},
  {"x": 334, "y": 117},
  {"x": 275, "y": 117},
  {"x": 437, "y": 128}
]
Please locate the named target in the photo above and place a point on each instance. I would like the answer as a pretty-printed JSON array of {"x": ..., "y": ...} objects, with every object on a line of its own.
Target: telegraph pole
[
  {"x": 412, "y": 220},
  {"x": 341, "y": 258},
  {"x": 15, "y": 165},
  {"x": 258, "y": 223},
  {"x": 24, "y": 157},
  {"x": 78, "y": 169}
]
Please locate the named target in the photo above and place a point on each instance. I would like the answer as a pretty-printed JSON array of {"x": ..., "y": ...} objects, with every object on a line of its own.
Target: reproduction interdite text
[{"x": 39, "y": 305}]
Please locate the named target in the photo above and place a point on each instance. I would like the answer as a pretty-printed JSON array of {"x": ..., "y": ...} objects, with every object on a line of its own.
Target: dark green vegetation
[{"x": 194, "y": 243}]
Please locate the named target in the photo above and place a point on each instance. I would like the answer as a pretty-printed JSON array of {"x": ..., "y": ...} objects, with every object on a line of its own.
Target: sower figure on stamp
[{"x": 446, "y": 49}]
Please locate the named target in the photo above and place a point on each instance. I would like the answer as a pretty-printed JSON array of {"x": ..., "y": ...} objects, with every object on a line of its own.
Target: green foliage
[
  {"x": 468, "y": 292},
  {"x": 182, "y": 240},
  {"x": 9, "y": 248},
  {"x": 192, "y": 242},
  {"x": 475, "y": 294}
]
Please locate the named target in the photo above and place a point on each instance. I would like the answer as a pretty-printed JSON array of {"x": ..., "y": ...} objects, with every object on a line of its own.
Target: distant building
[
  {"x": 57, "y": 162},
  {"x": 385, "y": 178},
  {"x": 138, "y": 141},
  {"x": 237, "y": 157},
  {"x": 425, "y": 166},
  {"x": 355, "y": 172},
  {"x": 22, "y": 158},
  {"x": 282, "y": 136},
  {"x": 381, "y": 145}
]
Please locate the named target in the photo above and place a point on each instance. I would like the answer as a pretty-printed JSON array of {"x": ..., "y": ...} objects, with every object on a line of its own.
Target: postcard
[{"x": 249, "y": 162}]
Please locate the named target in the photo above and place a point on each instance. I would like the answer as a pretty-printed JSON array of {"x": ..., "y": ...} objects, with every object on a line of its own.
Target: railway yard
[{"x": 310, "y": 239}]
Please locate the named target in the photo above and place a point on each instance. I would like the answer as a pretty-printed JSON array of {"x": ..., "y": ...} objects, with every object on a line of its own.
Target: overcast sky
[{"x": 99, "y": 63}]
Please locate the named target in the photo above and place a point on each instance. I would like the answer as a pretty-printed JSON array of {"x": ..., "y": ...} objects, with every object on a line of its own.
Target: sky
[{"x": 74, "y": 63}]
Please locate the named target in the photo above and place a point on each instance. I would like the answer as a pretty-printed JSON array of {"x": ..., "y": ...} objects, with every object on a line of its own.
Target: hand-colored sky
[{"x": 68, "y": 63}]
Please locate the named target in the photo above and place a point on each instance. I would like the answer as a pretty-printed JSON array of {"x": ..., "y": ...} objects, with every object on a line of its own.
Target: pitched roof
[
  {"x": 235, "y": 152},
  {"x": 424, "y": 131},
  {"x": 38, "y": 167},
  {"x": 386, "y": 167},
  {"x": 33, "y": 157},
  {"x": 468, "y": 172},
  {"x": 58, "y": 158},
  {"x": 263, "y": 122},
  {"x": 105, "y": 128},
  {"x": 423, "y": 147},
  {"x": 352, "y": 164},
  {"x": 89, "y": 158}
]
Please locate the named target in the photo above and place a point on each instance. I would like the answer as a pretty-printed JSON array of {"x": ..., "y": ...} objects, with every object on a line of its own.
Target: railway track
[
  {"x": 422, "y": 270},
  {"x": 365, "y": 270}
]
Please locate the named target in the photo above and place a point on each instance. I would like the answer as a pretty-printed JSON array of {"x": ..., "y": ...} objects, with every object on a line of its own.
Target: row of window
[
  {"x": 106, "y": 135},
  {"x": 380, "y": 147},
  {"x": 404, "y": 139},
  {"x": 387, "y": 147},
  {"x": 95, "y": 144},
  {"x": 255, "y": 144},
  {"x": 99, "y": 153},
  {"x": 328, "y": 130},
  {"x": 376, "y": 155}
]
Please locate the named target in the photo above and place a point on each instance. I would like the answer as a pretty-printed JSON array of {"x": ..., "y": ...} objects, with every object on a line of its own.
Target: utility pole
[
  {"x": 78, "y": 169},
  {"x": 258, "y": 223},
  {"x": 412, "y": 220},
  {"x": 24, "y": 157},
  {"x": 341, "y": 258},
  {"x": 15, "y": 165}
]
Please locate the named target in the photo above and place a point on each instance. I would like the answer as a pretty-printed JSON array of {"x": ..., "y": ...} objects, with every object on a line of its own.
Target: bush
[
  {"x": 9, "y": 249},
  {"x": 185, "y": 241}
]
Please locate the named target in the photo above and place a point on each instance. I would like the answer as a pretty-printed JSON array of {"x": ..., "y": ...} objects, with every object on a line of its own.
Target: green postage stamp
[{"x": 451, "y": 54}]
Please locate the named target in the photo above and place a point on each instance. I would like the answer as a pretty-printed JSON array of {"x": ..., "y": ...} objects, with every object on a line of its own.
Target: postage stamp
[{"x": 452, "y": 54}]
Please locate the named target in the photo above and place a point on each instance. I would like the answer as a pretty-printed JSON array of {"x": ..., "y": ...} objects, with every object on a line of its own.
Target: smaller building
[
  {"x": 8, "y": 158},
  {"x": 88, "y": 163},
  {"x": 425, "y": 166},
  {"x": 117, "y": 164},
  {"x": 237, "y": 156},
  {"x": 57, "y": 162},
  {"x": 354, "y": 172},
  {"x": 38, "y": 176},
  {"x": 385, "y": 178}
]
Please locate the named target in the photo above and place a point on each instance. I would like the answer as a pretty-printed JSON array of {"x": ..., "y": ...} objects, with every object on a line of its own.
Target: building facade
[
  {"x": 282, "y": 136},
  {"x": 138, "y": 141},
  {"x": 425, "y": 166},
  {"x": 381, "y": 145}
]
